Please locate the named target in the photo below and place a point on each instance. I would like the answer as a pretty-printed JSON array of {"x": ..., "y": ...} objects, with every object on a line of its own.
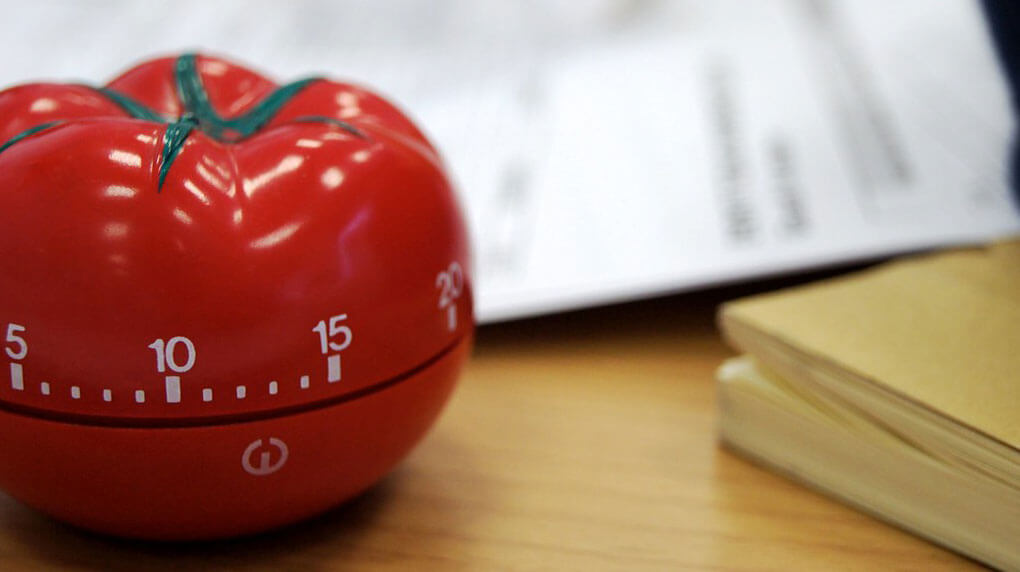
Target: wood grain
[{"x": 584, "y": 441}]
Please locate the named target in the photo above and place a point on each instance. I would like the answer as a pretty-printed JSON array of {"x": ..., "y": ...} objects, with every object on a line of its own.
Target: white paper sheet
[{"x": 607, "y": 150}]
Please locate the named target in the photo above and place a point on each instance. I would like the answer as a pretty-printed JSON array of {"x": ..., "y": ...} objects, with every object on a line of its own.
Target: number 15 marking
[
  {"x": 336, "y": 328},
  {"x": 327, "y": 343}
]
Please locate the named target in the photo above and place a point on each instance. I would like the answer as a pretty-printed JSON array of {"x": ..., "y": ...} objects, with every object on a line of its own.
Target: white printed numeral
[
  {"x": 450, "y": 283},
  {"x": 16, "y": 341},
  {"x": 334, "y": 338},
  {"x": 336, "y": 329},
  {"x": 17, "y": 349},
  {"x": 167, "y": 354}
]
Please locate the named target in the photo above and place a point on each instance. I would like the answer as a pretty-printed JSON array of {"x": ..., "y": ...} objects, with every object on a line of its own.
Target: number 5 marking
[{"x": 16, "y": 340}]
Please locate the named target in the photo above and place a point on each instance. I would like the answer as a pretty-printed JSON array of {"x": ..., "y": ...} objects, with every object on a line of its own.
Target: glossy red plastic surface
[
  {"x": 191, "y": 482},
  {"x": 307, "y": 264}
]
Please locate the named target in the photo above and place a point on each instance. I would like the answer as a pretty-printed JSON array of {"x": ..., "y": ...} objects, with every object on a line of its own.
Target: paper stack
[{"x": 896, "y": 389}]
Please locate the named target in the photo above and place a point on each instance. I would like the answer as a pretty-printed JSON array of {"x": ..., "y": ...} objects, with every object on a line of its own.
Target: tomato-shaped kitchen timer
[{"x": 225, "y": 304}]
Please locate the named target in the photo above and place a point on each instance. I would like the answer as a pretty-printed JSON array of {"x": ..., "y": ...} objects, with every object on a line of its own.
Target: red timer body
[{"x": 225, "y": 305}]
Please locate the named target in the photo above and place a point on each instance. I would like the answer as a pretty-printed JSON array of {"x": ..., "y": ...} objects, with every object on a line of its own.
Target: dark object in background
[{"x": 1004, "y": 23}]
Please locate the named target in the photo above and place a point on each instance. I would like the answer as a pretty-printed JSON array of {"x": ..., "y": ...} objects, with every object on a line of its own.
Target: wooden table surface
[{"x": 584, "y": 441}]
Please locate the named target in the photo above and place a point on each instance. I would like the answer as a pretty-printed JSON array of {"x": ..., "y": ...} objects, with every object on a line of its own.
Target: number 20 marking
[{"x": 451, "y": 284}]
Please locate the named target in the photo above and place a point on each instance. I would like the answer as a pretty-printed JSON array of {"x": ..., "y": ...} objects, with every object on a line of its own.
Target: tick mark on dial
[
  {"x": 17, "y": 377},
  {"x": 333, "y": 369},
  {"x": 173, "y": 389}
]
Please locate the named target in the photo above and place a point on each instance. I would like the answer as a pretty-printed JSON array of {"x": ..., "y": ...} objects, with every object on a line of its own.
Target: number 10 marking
[{"x": 166, "y": 356}]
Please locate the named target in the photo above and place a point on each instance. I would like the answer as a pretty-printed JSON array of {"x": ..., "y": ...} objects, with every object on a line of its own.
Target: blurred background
[{"x": 608, "y": 150}]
